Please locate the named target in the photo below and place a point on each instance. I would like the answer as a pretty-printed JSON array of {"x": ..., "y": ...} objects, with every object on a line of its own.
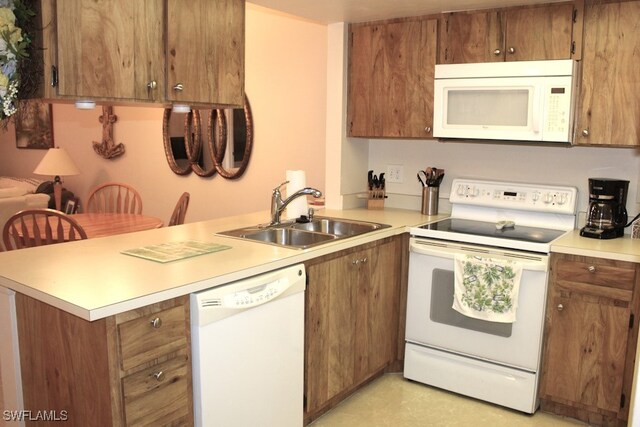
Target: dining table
[
  {"x": 105, "y": 224},
  {"x": 109, "y": 224}
]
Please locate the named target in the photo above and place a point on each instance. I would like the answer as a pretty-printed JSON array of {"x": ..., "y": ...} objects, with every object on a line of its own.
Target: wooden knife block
[{"x": 376, "y": 199}]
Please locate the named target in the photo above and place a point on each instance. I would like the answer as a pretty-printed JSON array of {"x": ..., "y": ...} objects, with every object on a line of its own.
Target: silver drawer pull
[
  {"x": 156, "y": 323},
  {"x": 592, "y": 269},
  {"x": 159, "y": 376},
  {"x": 560, "y": 307},
  {"x": 178, "y": 87}
]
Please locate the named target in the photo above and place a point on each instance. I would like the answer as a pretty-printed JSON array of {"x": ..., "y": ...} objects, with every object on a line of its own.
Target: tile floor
[{"x": 395, "y": 402}]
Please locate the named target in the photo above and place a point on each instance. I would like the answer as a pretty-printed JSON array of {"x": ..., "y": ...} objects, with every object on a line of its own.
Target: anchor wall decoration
[{"x": 107, "y": 148}]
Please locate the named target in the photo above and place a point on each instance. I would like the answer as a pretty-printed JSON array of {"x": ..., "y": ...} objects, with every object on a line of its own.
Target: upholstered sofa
[{"x": 17, "y": 194}]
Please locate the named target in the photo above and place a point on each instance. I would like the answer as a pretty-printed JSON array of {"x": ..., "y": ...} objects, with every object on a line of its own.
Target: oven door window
[{"x": 441, "y": 311}]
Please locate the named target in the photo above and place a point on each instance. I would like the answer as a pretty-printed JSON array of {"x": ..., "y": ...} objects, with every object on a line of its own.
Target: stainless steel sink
[
  {"x": 338, "y": 227},
  {"x": 305, "y": 235},
  {"x": 290, "y": 237}
]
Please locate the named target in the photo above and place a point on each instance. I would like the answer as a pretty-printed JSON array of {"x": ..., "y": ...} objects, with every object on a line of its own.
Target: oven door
[{"x": 432, "y": 322}]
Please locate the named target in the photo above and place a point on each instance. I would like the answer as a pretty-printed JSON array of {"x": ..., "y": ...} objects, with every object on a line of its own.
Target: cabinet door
[
  {"x": 391, "y": 66},
  {"x": 109, "y": 49},
  {"x": 471, "y": 37},
  {"x": 378, "y": 299},
  {"x": 515, "y": 34},
  {"x": 584, "y": 360},
  {"x": 329, "y": 330},
  {"x": 609, "y": 112},
  {"x": 205, "y": 52},
  {"x": 538, "y": 33}
]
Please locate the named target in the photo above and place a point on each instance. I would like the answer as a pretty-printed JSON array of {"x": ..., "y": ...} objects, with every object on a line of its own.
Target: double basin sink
[{"x": 305, "y": 234}]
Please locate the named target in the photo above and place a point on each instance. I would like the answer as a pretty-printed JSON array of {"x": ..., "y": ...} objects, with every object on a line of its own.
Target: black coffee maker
[{"x": 607, "y": 215}]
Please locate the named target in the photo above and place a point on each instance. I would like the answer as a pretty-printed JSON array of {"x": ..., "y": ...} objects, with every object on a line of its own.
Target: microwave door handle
[{"x": 537, "y": 110}]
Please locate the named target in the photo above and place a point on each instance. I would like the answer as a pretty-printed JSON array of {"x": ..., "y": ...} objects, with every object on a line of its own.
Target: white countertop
[
  {"x": 622, "y": 248},
  {"x": 92, "y": 279}
]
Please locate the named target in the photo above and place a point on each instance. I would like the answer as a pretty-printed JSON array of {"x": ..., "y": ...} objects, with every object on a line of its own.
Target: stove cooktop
[
  {"x": 488, "y": 229},
  {"x": 476, "y": 205},
  {"x": 519, "y": 237}
]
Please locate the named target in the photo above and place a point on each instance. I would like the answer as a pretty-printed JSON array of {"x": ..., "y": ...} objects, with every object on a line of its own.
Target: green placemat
[{"x": 173, "y": 251}]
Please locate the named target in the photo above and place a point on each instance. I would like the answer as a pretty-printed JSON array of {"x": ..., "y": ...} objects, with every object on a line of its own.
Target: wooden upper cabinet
[
  {"x": 515, "y": 34},
  {"x": 110, "y": 49},
  {"x": 151, "y": 51},
  {"x": 609, "y": 112},
  {"x": 390, "y": 78},
  {"x": 205, "y": 51}
]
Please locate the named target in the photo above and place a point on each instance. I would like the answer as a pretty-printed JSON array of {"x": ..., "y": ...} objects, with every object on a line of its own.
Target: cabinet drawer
[
  {"x": 159, "y": 395},
  {"x": 621, "y": 276},
  {"x": 148, "y": 337}
]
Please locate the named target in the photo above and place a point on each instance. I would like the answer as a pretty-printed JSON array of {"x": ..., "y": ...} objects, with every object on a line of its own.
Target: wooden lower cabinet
[
  {"x": 590, "y": 339},
  {"x": 352, "y": 320},
  {"x": 130, "y": 369}
]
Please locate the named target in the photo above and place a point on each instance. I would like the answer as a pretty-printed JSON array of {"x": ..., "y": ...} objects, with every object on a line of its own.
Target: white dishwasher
[{"x": 248, "y": 351}]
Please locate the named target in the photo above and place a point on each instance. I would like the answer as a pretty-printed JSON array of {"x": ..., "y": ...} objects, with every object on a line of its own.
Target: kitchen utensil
[{"x": 422, "y": 178}]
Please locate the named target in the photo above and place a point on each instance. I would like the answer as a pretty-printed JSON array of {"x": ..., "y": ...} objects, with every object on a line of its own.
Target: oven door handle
[{"x": 528, "y": 262}]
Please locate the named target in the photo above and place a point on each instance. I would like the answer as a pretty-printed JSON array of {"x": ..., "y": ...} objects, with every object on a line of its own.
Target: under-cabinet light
[
  {"x": 85, "y": 104},
  {"x": 180, "y": 108}
]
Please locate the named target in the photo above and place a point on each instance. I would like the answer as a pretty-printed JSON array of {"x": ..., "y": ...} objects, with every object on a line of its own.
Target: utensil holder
[{"x": 430, "y": 200}]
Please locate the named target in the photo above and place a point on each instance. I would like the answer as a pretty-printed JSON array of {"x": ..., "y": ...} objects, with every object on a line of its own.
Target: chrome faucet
[{"x": 278, "y": 205}]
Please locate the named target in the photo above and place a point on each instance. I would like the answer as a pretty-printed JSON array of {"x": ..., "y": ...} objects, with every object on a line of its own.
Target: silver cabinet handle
[
  {"x": 585, "y": 132},
  {"x": 159, "y": 376},
  {"x": 152, "y": 85},
  {"x": 560, "y": 307},
  {"x": 178, "y": 88},
  {"x": 511, "y": 50},
  {"x": 497, "y": 52},
  {"x": 156, "y": 323},
  {"x": 427, "y": 129},
  {"x": 592, "y": 269}
]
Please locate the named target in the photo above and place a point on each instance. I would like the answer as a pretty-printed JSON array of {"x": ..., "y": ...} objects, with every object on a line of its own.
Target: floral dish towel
[{"x": 486, "y": 288}]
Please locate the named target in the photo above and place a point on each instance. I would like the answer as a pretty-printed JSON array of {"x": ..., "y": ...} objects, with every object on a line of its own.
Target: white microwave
[{"x": 515, "y": 101}]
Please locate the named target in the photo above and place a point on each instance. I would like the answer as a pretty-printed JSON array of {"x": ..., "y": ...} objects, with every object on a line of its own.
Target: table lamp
[{"x": 57, "y": 163}]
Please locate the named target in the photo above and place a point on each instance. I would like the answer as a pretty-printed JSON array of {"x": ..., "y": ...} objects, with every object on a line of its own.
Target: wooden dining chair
[
  {"x": 39, "y": 227},
  {"x": 180, "y": 211},
  {"x": 114, "y": 197}
]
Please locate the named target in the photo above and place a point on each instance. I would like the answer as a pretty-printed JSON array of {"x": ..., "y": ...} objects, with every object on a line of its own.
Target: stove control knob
[
  {"x": 547, "y": 198},
  {"x": 535, "y": 196},
  {"x": 460, "y": 190},
  {"x": 471, "y": 191},
  {"x": 562, "y": 199}
]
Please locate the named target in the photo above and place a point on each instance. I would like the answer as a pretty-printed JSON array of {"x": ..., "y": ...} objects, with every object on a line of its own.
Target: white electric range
[{"x": 497, "y": 362}]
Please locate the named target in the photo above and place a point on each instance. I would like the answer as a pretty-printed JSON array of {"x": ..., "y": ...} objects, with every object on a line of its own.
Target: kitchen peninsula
[{"x": 87, "y": 308}]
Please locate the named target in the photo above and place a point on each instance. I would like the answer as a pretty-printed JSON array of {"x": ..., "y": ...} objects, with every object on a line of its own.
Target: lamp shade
[{"x": 56, "y": 163}]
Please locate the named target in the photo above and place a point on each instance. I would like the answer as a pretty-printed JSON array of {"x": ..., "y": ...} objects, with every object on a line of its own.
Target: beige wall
[{"x": 286, "y": 63}]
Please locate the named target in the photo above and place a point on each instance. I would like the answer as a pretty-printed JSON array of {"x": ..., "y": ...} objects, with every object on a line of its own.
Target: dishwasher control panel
[
  {"x": 255, "y": 296},
  {"x": 226, "y": 300}
]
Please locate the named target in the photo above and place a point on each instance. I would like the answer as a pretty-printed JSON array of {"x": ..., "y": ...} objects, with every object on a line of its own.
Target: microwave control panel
[{"x": 557, "y": 109}]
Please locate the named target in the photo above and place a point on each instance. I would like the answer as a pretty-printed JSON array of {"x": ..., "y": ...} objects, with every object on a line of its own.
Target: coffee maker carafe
[{"x": 607, "y": 214}]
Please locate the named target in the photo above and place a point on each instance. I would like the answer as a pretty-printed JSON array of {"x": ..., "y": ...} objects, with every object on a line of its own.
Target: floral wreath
[{"x": 14, "y": 44}]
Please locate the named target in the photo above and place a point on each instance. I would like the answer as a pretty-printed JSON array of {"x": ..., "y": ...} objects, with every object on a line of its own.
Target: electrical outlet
[{"x": 395, "y": 173}]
